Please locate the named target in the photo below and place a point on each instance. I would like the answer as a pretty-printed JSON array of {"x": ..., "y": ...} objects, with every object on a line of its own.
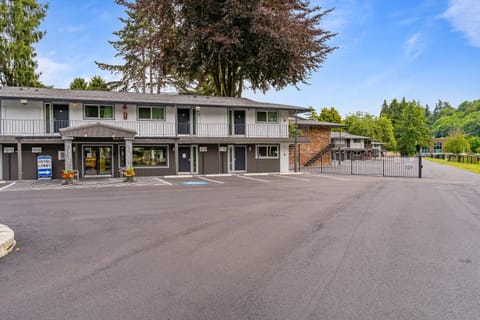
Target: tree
[
  {"x": 312, "y": 114},
  {"x": 330, "y": 115},
  {"x": 456, "y": 142},
  {"x": 78, "y": 84},
  {"x": 97, "y": 83},
  {"x": 224, "y": 45},
  {"x": 474, "y": 144},
  {"x": 379, "y": 129},
  {"x": 411, "y": 130},
  {"x": 19, "y": 22},
  {"x": 384, "y": 132}
]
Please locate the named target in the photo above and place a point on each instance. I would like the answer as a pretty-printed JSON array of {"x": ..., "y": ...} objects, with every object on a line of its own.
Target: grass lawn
[{"x": 466, "y": 166}]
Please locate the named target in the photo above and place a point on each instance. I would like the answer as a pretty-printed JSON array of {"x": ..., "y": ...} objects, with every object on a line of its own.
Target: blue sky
[{"x": 423, "y": 50}]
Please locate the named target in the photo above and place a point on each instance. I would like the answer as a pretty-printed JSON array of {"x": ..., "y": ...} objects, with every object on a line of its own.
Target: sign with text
[
  {"x": 44, "y": 167},
  {"x": 8, "y": 150}
]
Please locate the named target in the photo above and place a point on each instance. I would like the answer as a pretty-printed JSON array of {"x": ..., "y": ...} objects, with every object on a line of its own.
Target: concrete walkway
[{"x": 7, "y": 240}]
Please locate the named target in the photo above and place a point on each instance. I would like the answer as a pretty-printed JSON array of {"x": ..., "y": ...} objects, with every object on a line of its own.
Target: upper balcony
[{"x": 39, "y": 128}]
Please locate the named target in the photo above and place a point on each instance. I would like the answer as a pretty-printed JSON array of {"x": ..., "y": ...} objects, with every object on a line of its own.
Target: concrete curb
[{"x": 7, "y": 240}]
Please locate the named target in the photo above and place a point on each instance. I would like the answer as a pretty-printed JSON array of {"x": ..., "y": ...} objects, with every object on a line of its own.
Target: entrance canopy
[{"x": 97, "y": 130}]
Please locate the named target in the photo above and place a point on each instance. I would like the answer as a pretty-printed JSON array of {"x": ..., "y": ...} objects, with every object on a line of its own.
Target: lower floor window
[
  {"x": 267, "y": 152},
  {"x": 150, "y": 156}
]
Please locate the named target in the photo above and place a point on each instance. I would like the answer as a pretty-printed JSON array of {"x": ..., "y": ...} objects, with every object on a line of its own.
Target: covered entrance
[
  {"x": 96, "y": 143},
  {"x": 97, "y": 161}
]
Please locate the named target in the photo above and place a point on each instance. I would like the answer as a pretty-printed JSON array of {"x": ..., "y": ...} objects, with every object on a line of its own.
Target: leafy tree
[
  {"x": 378, "y": 128},
  {"x": 78, "y": 84},
  {"x": 474, "y": 144},
  {"x": 471, "y": 124},
  {"x": 97, "y": 83},
  {"x": 444, "y": 125},
  {"x": 19, "y": 22},
  {"x": 411, "y": 130},
  {"x": 223, "y": 45},
  {"x": 456, "y": 142},
  {"x": 330, "y": 115}
]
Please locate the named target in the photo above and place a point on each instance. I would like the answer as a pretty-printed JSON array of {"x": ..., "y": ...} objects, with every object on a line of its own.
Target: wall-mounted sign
[
  {"x": 8, "y": 150},
  {"x": 203, "y": 149},
  {"x": 222, "y": 149},
  {"x": 44, "y": 167},
  {"x": 36, "y": 149}
]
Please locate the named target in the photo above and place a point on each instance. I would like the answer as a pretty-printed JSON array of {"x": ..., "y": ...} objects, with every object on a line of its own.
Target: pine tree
[{"x": 19, "y": 22}]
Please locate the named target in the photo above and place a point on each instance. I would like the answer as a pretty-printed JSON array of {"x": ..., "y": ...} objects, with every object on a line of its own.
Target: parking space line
[
  {"x": 8, "y": 186},
  {"x": 293, "y": 178},
  {"x": 163, "y": 181},
  {"x": 254, "y": 179},
  {"x": 211, "y": 180},
  {"x": 327, "y": 176}
]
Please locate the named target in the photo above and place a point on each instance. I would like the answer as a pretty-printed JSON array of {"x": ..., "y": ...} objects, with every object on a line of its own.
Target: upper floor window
[
  {"x": 357, "y": 140},
  {"x": 267, "y": 116},
  {"x": 151, "y": 113},
  {"x": 437, "y": 147},
  {"x": 95, "y": 111}
]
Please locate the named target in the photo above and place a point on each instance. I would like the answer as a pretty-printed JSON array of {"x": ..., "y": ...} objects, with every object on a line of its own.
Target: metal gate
[{"x": 388, "y": 166}]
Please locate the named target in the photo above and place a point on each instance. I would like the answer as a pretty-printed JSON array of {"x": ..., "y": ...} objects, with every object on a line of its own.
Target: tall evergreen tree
[
  {"x": 19, "y": 22},
  {"x": 78, "y": 84}
]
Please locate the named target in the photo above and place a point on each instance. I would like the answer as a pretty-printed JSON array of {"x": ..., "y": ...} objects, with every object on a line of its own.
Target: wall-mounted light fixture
[{"x": 23, "y": 101}]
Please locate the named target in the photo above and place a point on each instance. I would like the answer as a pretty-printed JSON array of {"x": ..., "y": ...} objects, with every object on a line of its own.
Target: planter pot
[{"x": 129, "y": 179}]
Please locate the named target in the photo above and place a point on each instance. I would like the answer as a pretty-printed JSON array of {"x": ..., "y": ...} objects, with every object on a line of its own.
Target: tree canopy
[
  {"x": 456, "y": 142},
  {"x": 19, "y": 22},
  {"x": 96, "y": 83},
  {"x": 220, "y": 47}
]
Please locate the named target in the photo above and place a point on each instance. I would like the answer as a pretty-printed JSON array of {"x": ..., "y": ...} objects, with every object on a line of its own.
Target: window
[
  {"x": 357, "y": 140},
  {"x": 150, "y": 156},
  {"x": 151, "y": 113},
  {"x": 93, "y": 111},
  {"x": 437, "y": 147},
  {"x": 267, "y": 152},
  {"x": 267, "y": 116}
]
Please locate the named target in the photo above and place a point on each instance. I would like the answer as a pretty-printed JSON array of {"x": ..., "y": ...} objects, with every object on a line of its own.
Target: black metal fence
[{"x": 388, "y": 166}]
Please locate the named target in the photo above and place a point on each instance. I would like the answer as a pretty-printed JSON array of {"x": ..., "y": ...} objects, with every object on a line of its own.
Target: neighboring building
[
  {"x": 314, "y": 142},
  {"x": 97, "y": 133},
  {"x": 435, "y": 149},
  {"x": 346, "y": 146}
]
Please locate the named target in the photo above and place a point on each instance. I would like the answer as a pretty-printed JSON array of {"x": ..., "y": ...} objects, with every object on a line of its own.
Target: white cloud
[
  {"x": 414, "y": 46},
  {"x": 464, "y": 15},
  {"x": 54, "y": 73}
]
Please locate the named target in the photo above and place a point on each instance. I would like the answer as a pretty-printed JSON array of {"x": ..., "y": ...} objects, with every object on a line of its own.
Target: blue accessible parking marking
[{"x": 194, "y": 182}]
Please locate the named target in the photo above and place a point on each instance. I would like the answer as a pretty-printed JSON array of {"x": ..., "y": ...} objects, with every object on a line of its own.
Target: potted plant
[
  {"x": 68, "y": 176},
  {"x": 129, "y": 174}
]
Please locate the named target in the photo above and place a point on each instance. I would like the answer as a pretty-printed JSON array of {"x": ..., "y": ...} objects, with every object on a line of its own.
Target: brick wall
[{"x": 319, "y": 139}]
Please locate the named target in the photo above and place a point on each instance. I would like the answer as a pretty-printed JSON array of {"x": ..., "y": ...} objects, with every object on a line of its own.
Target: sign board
[
  {"x": 222, "y": 149},
  {"x": 8, "y": 150},
  {"x": 203, "y": 149},
  {"x": 36, "y": 149},
  {"x": 44, "y": 167}
]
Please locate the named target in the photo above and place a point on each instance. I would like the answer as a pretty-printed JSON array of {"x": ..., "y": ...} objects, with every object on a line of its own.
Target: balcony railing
[{"x": 11, "y": 127}]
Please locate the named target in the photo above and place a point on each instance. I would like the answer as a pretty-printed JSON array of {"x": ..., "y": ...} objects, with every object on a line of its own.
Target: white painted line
[
  {"x": 8, "y": 186},
  {"x": 293, "y": 178},
  {"x": 211, "y": 180},
  {"x": 180, "y": 176},
  {"x": 219, "y": 175},
  {"x": 254, "y": 179},
  {"x": 328, "y": 177},
  {"x": 163, "y": 181}
]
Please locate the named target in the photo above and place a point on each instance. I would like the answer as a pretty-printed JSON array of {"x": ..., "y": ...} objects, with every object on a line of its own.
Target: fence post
[
  {"x": 420, "y": 166},
  {"x": 383, "y": 166},
  {"x": 351, "y": 162}
]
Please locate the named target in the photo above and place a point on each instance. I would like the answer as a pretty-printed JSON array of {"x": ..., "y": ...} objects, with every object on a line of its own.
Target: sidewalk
[{"x": 7, "y": 241}]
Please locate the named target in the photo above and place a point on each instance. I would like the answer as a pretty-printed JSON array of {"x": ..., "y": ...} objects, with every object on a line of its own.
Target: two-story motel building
[{"x": 97, "y": 133}]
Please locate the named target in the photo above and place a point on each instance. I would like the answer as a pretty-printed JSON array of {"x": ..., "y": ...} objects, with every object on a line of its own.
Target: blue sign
[{"x": 44, "y": 167}]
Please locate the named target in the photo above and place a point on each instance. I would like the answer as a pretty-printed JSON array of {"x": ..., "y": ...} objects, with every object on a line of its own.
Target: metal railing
[{"x": 28, "y": 127}]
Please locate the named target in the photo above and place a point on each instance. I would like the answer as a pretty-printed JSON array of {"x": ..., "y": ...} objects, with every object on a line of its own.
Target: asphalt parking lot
[{"x": 255, "y": 247}]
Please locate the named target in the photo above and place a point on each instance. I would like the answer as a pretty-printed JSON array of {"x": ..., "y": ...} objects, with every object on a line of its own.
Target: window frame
[
  {"x": 268, "y": 151},
  {"x": 151, "y": 110},
  {"x": 98, "y": 106},
  {"x": 266, "y": 121}
]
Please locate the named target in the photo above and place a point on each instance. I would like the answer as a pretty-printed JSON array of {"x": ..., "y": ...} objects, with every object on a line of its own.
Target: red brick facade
[{"x": 319, "y": 139}]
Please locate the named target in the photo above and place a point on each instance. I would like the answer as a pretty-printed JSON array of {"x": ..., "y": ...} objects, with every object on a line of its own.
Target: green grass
[{"x": 466, "y": 166}]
